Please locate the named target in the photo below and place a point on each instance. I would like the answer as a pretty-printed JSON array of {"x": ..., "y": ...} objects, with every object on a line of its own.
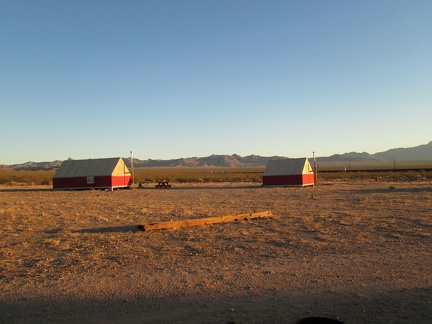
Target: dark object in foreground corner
[
  {"x": 318, "y": 320},
  {"x": 203, "y": 221}
]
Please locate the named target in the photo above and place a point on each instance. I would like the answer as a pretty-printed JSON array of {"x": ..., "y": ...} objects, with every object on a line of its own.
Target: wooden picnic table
[{"x": 163, "y": 184}]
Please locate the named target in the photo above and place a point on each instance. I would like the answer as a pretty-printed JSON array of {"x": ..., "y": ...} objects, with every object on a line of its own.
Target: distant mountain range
[
  {"x": 410, "y": 153},
  {"x": 212, "y": 160}
]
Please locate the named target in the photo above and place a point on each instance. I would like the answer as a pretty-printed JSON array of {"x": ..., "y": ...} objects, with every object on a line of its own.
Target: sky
[{"x": 168, "y": 79}]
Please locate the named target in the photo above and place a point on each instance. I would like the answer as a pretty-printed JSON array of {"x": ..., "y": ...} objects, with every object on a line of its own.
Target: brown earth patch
[{"x": 359, "y": 252}]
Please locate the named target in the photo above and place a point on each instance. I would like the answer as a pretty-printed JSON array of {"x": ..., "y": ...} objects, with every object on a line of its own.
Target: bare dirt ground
[{"x": 359, "y": 252}]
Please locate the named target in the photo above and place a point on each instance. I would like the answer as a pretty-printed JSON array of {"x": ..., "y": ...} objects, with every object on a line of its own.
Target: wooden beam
[{"x": 203, "y": 221}]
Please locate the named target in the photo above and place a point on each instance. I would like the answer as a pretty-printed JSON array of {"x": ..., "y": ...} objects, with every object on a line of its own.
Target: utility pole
[
  {"x": 133, "y": 171},
  {"x": 315, "y": 170}
]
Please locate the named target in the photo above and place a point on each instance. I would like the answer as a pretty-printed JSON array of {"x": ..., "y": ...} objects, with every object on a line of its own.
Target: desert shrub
[
  {"x": 409, "y": 175},
  {"x": 184, "y": 175},
  {"x": 26, "y": 177},
  {"x": 213, "y": 174}
]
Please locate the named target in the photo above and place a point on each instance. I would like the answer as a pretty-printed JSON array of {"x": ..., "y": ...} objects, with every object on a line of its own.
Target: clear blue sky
[{"x": 170, "y": 79}]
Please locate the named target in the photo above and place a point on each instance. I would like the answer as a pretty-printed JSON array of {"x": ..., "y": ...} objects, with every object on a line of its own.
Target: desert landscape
[{"x": 358, "y": 251}]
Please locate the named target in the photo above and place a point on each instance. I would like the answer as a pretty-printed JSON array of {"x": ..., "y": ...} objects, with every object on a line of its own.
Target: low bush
[
  {"x": 191, "y": 175},
  {"x": 213, "y": 174},
  {"x": 26, "y": 177}
]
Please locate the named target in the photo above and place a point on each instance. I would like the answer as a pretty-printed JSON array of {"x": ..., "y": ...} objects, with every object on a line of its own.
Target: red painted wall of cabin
[
  {"x": 289, "y": 180},
  {"x": 100, "y": 182},
  {"x": 121, "y": 181},
  {"x": 308, "y": 179}
]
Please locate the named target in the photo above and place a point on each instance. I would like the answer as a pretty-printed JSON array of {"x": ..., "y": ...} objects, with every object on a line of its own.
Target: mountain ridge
[
  {"x": 414, "y": 153},
  {"x": 423, "y": 151}
]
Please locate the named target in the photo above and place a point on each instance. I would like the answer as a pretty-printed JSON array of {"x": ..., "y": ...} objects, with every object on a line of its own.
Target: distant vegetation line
[
  {"x": 197, "y": 174},
  {"x": 215, "y": 175},
  {"x": 385, "y": 165},
  {"x": 9, "y": 177}
]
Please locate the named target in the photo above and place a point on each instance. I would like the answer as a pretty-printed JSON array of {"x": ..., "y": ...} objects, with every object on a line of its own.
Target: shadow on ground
[
  {"x": 214, "y": 187},
  {"x": 391, "y": 190},
  {"x": 113, "y": 229},
  {"x": 14, "y": 189},
  {"x": 401, "y": 306}
]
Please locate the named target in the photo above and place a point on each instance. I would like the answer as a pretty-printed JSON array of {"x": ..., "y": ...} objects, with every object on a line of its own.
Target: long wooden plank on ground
[{"x": 203, "y": 221}]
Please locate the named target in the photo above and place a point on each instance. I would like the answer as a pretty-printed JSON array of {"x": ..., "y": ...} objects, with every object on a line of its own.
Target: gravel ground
[{"x": 359, "y": 252}]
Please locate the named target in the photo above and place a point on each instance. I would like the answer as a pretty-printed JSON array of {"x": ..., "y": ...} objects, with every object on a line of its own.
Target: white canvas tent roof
[
  {"x": 92, "y": 167},
  {"x": 287, "y": 167}
]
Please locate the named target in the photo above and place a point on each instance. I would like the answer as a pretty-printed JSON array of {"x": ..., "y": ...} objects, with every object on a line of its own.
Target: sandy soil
[{"x": 359, "y": 252}]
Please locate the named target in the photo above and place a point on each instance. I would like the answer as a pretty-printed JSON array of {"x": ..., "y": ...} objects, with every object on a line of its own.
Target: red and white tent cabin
[
  {"x": 108, "y": 173},
  {"x": 288, "y": 172}
]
